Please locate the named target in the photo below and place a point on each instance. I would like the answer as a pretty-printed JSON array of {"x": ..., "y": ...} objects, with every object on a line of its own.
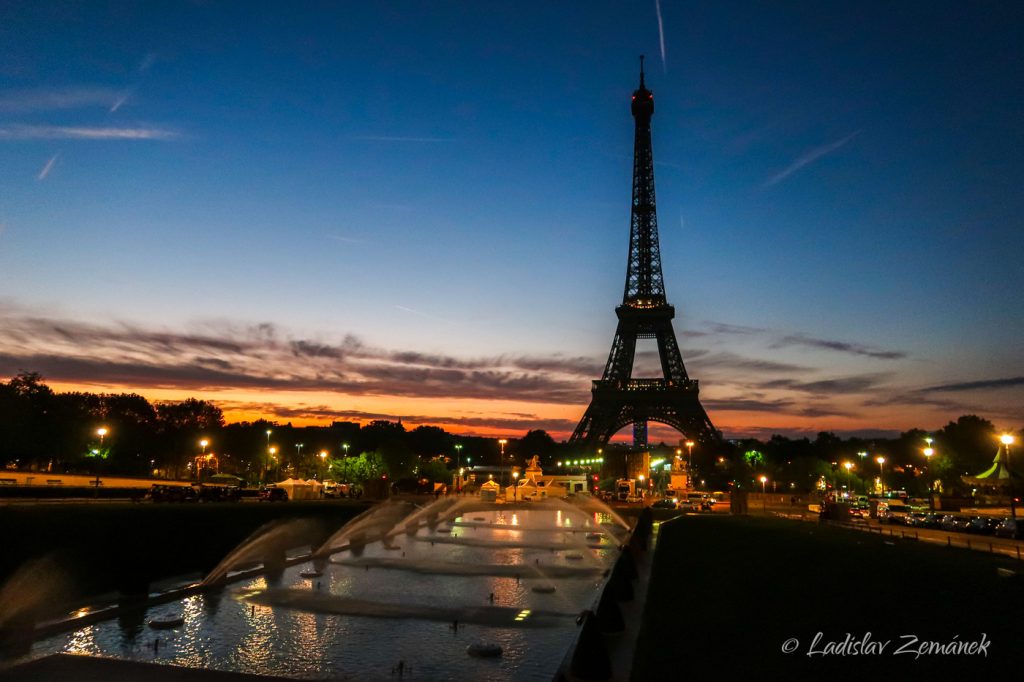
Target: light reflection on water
[{"x": 223, "y": 631}]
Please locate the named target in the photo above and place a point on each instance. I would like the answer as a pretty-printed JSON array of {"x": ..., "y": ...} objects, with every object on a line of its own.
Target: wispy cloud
[
  {"x": 399, "y": 138},
  {"x": 37, "y": 132},
  {"x": 661, "y": 35},
  {"x": 262, "y": 357},
  {"x": 723, "y": 328},
  {"x": 345, "y": 240},
  {"x": 981, "y": 385},
  {"x": 733, "y": 361},
  {"x": 48, "y": 99},
  {"x": 809, "y": 158},
  {"x": 418, "y": 313},
  {"x": 515, "y": 422},
  {"x": 45, "y": 171},
  {"x": 839, "y": 346},
  {"x": 829, "y": 387}
]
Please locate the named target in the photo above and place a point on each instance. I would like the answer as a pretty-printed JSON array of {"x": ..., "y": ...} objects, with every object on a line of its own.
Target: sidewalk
[{"x": 622, "y": 645}]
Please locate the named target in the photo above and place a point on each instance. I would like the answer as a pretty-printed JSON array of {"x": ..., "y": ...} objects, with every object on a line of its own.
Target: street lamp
[
  {"x": 502, "y": 442},
  {"x": 273, "y": 455},
  {"x": 881, "y": 471},
  {"x": 458, "y": 455},
  {"x": 101, "y": 432},
  {"x": 1007, "y": 440},
  {"x": 203, "y": 443},
  {"x": 689, "y": 455},
  {"x": 515, "y": 488},
  {"x": 764, "y": 481},
  {"x": 344, "y": 446},
  {"x": 928, "y": 452}
]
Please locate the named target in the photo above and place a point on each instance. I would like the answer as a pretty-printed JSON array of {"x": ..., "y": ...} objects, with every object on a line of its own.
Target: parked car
[
  {"x": 931, "y": 520},
  {"x": 219, "y": 493},
  {"x": 887, "y": 514},
  {"x": 172, "y": 493},
  {"x": 272, "y": 494},
  {"x": 983, "y": 525},
  {"x": 664, "y": 503},
  {"x": 1009, "y": 528},
  {"x": 953, "y": 522},
  {"x": 915, "y": 518}
]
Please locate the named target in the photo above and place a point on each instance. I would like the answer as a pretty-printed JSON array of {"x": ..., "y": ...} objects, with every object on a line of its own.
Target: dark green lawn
[{"x": 727, "y": 592}]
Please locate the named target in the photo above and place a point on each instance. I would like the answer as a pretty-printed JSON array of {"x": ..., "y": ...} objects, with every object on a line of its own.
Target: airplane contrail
[
  {"x": 661, "y": 35},
  {"x": 48, "y": 167}
]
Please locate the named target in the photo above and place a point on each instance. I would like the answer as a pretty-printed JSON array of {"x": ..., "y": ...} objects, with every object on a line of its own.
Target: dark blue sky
[{"x": 368, "y": 209}]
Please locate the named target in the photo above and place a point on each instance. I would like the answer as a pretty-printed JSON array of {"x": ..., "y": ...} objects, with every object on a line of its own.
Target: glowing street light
[
  {"x": 458, "y": 455},
  {"x": 97, "y": 454},
  {"x": 344, "y": 446},
  {"x": 203, "y": 443},
  {"x": 515, "y": 487},
  {"x": 764, "y": 482},
  {"x": 502, "y": 442},
  {"x": 1007, "y": 440},
  {"x": 881, "y": 471}
]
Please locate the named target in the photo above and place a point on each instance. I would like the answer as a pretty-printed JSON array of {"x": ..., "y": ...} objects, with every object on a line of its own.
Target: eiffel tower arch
[{"x": 618, "y": 399}]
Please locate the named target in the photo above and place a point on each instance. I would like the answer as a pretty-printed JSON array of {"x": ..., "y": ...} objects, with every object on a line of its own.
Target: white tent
[
  {"x": 298, "y": 489},
  {"x": 489, "y": 491}
]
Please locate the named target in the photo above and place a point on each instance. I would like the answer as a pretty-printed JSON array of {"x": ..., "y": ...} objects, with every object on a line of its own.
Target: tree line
[{"x": 43, "y": 430}]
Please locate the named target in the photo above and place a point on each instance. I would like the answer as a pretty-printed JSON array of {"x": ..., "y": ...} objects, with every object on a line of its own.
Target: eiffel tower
[{"x": 617, "y": 398}]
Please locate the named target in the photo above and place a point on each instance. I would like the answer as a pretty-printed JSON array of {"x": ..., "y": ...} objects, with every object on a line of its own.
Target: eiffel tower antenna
[{"x": 617, "y": 399}]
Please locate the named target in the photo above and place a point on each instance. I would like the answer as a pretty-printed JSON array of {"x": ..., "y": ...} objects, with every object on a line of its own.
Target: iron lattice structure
[{"x": 617, "y": 398}]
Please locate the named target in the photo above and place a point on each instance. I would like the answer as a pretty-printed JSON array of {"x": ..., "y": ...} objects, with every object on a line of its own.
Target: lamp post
[
  {"x": 764, "y": 482},
  {"x": 266, "y": 468},
  {"x": 201, "y": 460},
  {"x": 458, "y": 455},
  {"x": 881, "y": 472},
  {"x": 848, "y": 466},
  {"x": 1007, "y": 440},
  {"x": 502, "y": 442},
  {"x": 928, "y": 452},
  {"x": 323, "y": 464},
  {"x": 97, "y": 454},
  {"x": 689, "y": 459},
  {"x": 273, "y": 456},
  {"x": 515, "y": 487}
]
